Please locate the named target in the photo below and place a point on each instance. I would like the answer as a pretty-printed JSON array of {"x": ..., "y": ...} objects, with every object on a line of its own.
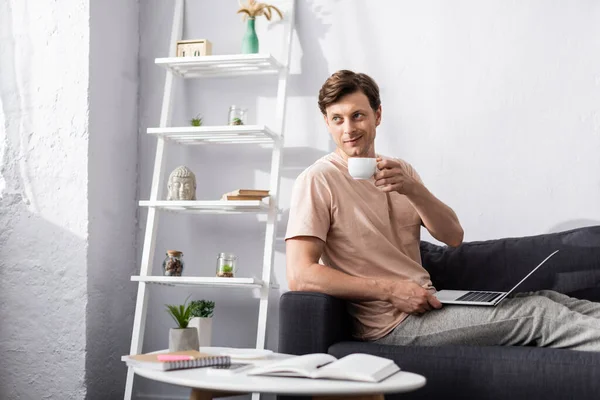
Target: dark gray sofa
[{"x": 314, "y": 322}]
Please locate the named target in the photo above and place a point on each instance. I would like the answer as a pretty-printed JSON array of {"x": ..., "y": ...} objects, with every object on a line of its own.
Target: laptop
[{"x": 480, "y": 298}]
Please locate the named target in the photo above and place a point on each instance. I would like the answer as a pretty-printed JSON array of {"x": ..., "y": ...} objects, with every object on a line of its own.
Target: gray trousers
[{"x": 545, "y": 318}]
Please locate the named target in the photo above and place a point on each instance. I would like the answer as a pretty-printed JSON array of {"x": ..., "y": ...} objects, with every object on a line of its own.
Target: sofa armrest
[
  {"x": 311, "y": 322},
  {"x": 499, "y": 264}
]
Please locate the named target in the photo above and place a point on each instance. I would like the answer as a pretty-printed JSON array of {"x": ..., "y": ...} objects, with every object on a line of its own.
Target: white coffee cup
[{"x": 362, "y": 167}]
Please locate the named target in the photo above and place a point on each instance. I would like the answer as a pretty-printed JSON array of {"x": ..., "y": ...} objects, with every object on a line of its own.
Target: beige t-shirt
[{"x": 367, "y": 233}]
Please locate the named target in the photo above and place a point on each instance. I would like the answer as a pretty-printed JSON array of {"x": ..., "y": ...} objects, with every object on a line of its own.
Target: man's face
[{"x": 352, "y": 124}]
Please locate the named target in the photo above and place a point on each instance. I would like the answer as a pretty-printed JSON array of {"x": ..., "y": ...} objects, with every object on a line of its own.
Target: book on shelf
[
  {"x": 353, "y": 367},
  {"x": 175, "y": 360},
  {"x": 231, "y": 197},
  {"x": 248, "y": 192}
]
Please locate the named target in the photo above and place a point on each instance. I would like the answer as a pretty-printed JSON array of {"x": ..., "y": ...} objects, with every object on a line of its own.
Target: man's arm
[
  {"x": 304, "y": 273},
  {"x": 439, "y": 219}
]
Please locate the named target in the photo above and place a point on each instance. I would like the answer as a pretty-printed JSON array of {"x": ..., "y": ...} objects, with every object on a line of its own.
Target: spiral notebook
[{"x": 196, "y": 360}]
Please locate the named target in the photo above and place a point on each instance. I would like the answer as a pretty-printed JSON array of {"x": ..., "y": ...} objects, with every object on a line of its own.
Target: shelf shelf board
[
  {"x": 200, "y": 281},
  {"x": 190, "y": 135},
  {"x": 221, "y": 65},
  {"x": 209, "y": 207}
]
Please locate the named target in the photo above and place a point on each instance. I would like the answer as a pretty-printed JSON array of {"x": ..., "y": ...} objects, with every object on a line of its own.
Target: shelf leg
[{"x": 139, "y": 320}]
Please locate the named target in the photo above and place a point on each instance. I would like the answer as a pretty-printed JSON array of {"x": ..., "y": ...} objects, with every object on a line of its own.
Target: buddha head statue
[{"x": 182, "y": 184}]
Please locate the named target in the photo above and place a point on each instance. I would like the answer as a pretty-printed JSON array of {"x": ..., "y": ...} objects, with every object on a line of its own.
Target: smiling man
[
  {"x": 367, "y": 232},
  {"x": 359, "y": 240}
]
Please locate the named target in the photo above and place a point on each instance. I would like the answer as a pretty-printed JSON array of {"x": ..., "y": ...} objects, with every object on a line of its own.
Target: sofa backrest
[{"x": 499, "y": 264}]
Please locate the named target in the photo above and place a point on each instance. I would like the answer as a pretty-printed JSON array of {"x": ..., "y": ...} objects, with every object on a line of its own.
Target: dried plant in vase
[{"x": 251, "y": 10}]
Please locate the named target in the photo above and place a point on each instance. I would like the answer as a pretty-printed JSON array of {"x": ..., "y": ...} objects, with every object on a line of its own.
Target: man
[{"x": 367, "y": 234}]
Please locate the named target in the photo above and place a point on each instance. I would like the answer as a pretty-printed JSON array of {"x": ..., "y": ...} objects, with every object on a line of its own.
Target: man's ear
[
  {"x": 378, "y": 116},
  {"x": 325, "y": 119}
]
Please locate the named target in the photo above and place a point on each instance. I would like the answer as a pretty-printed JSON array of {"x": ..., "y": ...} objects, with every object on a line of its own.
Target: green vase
[{"x": 250, "y": 40}]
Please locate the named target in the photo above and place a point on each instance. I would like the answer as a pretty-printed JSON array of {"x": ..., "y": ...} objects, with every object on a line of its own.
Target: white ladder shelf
[{"x": 208, "y": 67}]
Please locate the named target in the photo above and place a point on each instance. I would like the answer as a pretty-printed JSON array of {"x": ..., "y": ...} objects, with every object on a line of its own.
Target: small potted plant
[
  {"x": 183, "y": 337},
  {"x": 201, "y": 315},
  {"x": 196, "y": 121}
]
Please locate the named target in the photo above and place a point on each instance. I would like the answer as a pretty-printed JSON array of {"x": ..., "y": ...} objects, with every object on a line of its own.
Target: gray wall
[{"x": 114, "y": 38}]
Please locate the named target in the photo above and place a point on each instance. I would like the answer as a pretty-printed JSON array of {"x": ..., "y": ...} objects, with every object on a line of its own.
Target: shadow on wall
[
  {"x": 44, "y": 298},
  {"x": 313, "y": 64},
  {"x": 297, "y": 159},
  {"x": 314, "y": 67},
  {"x": 281, "y": 230}
]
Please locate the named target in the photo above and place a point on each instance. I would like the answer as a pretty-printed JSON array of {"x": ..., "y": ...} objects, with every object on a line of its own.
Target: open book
[{"x": 353, "y": 367}]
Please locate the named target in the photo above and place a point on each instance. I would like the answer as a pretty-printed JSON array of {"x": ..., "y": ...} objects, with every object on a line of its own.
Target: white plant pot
[
  {"x": 204, "y": 327},
  {"x": 183, "y": 339}
]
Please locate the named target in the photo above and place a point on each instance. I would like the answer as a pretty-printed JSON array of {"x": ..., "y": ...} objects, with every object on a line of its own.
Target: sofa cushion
[
  {"x": 591, "y": 294},
  {"x": 310, "y": 322},
  {"x": 499, "y": 264},
  {"x": 483, "y": 372}
]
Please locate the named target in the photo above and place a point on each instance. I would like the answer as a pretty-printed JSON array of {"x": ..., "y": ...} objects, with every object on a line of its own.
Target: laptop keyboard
[{"x": 479, "y": 296}]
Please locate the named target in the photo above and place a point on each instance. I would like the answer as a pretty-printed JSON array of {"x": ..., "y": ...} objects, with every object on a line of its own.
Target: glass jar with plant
[
  {"x": 182, "y": 337},
  {"x": 226, "y": 265},
  {"x": 237, "y": 115},
  {"x": 201, "y": 319}
]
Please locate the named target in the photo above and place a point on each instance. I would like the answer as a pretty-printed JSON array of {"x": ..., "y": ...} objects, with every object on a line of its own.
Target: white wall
[
  {"x": 44, "y": 138},
  {"x": 112, "y": 167},
  {"x": 68, "y": 172},
  {"x": 497, "y": 105}
]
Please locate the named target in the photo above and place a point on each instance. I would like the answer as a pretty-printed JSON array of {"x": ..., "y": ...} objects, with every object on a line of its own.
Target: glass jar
[
  {"x": 226, "y": 265},
  {"x": 173, "y": 263},
  {"x": 237, "y": 116}
]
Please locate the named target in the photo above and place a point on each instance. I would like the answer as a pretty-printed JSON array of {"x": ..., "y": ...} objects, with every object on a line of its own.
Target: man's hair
[{"x": 345, "y": 82}]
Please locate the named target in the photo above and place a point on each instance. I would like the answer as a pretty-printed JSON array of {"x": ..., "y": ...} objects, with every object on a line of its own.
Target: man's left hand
[{"x": 392, "y": 177}]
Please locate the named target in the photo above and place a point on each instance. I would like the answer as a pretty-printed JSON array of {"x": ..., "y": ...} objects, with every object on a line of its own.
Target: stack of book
[
  {"x": 175, "y": 360},
  {"x": 246, "y": 194}
]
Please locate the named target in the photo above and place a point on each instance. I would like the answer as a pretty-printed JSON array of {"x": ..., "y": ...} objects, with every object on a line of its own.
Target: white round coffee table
[{"x": 206, "y": 385}]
